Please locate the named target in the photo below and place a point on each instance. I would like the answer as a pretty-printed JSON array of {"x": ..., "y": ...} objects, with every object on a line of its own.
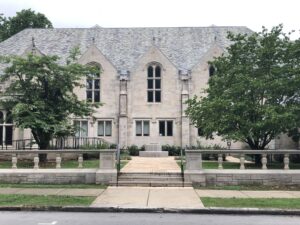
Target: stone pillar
[
  {"x": 123, "y": 105},
  {"x": 107, "y": 159},
  {"x": 185, "y": 76},
  {"x": 193, "y": 160}
]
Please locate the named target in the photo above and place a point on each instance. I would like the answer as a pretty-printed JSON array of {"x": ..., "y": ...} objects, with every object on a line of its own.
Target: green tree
[
  {"x": 26, "y": 18},
  {"x": 254, "y": 94},
  {"x": 41, "y": 94}
]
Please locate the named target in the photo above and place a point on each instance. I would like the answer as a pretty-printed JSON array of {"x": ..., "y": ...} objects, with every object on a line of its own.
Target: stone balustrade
[
  {"x": 106, "y": 157},
  {"x": 194, "y": 157},
  {"x": 219, "y": 177}
]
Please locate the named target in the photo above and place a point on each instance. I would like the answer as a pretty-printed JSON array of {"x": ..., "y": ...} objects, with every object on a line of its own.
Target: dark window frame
[
  {"x": 154, "y": 79},
  {"x": 166, "y": 128},
  {"x": 93, "y": 93},
  {"x": 105, "y": 123},
  {"x": 142, "y": 134}
]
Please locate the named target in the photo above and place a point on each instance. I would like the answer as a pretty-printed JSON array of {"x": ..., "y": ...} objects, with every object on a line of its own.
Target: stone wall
[
  {"x": 58, "y": 176},
  {"x": 242, "y": 177}
]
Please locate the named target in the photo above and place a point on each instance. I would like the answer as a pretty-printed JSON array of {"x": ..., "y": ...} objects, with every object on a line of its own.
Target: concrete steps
[{"x": 158, "y": 179}]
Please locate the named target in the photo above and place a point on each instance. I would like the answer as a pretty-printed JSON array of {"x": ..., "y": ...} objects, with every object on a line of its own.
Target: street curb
[{"x": 213, "y": 210}]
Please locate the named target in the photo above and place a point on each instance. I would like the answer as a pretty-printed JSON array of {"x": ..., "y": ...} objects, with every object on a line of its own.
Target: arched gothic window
[
  {"x": 154, "y": 83},
  {"x": 93, "y": 85}
]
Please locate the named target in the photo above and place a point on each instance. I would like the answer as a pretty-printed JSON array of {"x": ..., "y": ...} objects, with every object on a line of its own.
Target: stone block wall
[{"x": 242, "y": 177}]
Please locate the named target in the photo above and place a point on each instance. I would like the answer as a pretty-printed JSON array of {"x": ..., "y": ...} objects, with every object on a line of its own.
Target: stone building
[{"x": 147, "y": 74}]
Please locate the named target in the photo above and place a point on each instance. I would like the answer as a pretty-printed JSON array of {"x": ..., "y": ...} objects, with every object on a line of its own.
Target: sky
[{"x": 163, "y": 13}]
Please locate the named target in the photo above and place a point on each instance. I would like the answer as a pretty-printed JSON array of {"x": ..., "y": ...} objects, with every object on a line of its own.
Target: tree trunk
[{"x": 43, "y": 140}]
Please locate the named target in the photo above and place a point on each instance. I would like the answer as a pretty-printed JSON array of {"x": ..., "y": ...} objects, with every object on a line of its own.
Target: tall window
[
  {"x": 104, "y": 128},
  {"x": 142, "y": 128},
  {"x": 81, "y": 128},
  {"x": 166, "y": 128},
  {"x": 93, "y": 86},
  {"x": 154, "y": 83},
  {"x": 6, "y": 128}
]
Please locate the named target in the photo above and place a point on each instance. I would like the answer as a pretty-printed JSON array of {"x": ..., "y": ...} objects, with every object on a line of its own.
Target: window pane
[
  {"x": 89, "y": 96},
  {"x": 97, "y": 84},
  {"x": 150, "y": 96},
  {"x": 9, "y": 117},
  {"x": 96, "y": 96},
  {"x": 84, "y": 129},
  {"x": 77, "y": 128},
  {"x": 150, "y": 83},
  {"x": 89, "y": 84},
  {"x": 101, "y": 128},
  {"x": 157, "y": 71},
  {"x": 157, "y": 96},
  {"x": 169, "y": 128},
  {"x": 1, "y": 117},
  {"x": 162, "y": 128},
  {"x": 157, "y": 84},
  {"x": 150, "y": 71},
  {"x": 1, "y": 135},
  {"x": 138, "y": 128},
  {"x": 146, "y": 128},
  {"x": 108, "y": 128},
  {"x": 8, "y": 135}
]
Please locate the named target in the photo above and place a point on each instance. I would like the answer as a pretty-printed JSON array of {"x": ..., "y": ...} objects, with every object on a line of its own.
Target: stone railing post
[
  {"x": 286, "y": 161},
  {"x": 220, "y": 161},
  {"x": 14, "y": 161},
  {"x": 264, "y": 161},
  {"x": 36, "y": 161},
  {"x": 107, "y": 159},
  {"x": 58, "y": 161},
  {"x": 193, "y": 160},
  {"x": 242, "y": 161},
  {"x": 80, "y": 161}
]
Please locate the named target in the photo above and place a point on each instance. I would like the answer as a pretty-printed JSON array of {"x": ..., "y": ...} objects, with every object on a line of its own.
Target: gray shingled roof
[{"x": 183, "y": 46}]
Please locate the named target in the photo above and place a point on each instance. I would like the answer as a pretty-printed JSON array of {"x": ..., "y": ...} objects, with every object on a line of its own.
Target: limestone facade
[{"x": 124, "y": 55}]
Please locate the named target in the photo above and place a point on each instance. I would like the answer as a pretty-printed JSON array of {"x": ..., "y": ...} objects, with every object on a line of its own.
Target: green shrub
[
  {"x": 133, "y": 150},
  {"x": 172, "y": 149},
  {"x": 208, "y": 147}
]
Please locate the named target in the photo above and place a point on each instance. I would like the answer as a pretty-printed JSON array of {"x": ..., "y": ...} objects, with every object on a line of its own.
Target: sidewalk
[
  {"x": 52, "y": 191},
  {"x": 247, "y": 194},
  {"x": 150, "y": 197}
]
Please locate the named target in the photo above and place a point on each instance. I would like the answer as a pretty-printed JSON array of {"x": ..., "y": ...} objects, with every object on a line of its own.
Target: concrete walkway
[
  {"x": 151, "y": 165},
  {"x": 53, "y": 191},
  {"x": 247, "y": 194},
  {"x": 148, "y": 197},
  {"x": 235, "y": 160}
]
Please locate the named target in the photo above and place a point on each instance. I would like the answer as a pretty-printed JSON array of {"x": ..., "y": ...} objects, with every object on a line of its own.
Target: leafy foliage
[
  {"x": 255, "y": 92},
  {"x": 41, "y": 95},
  {"x": 26, "y": 18}
]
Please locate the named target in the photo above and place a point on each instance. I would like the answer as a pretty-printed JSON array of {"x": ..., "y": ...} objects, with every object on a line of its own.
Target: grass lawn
[
  {"x": 50, "y": 200},
  {"x": 283, "y": 203},
  {"x": 69, "y": 164},
  {"x": 252, "y": 187},
  {"x": 81, "y": 186},
  {"x": 233, "y": 165}
]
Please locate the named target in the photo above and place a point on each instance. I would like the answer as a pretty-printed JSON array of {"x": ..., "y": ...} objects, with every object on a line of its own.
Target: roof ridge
[{"x": 100, "y": 27}]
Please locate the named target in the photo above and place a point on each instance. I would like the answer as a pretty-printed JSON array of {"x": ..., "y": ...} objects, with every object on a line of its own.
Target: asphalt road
[{"x": 62, "y": 218}]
